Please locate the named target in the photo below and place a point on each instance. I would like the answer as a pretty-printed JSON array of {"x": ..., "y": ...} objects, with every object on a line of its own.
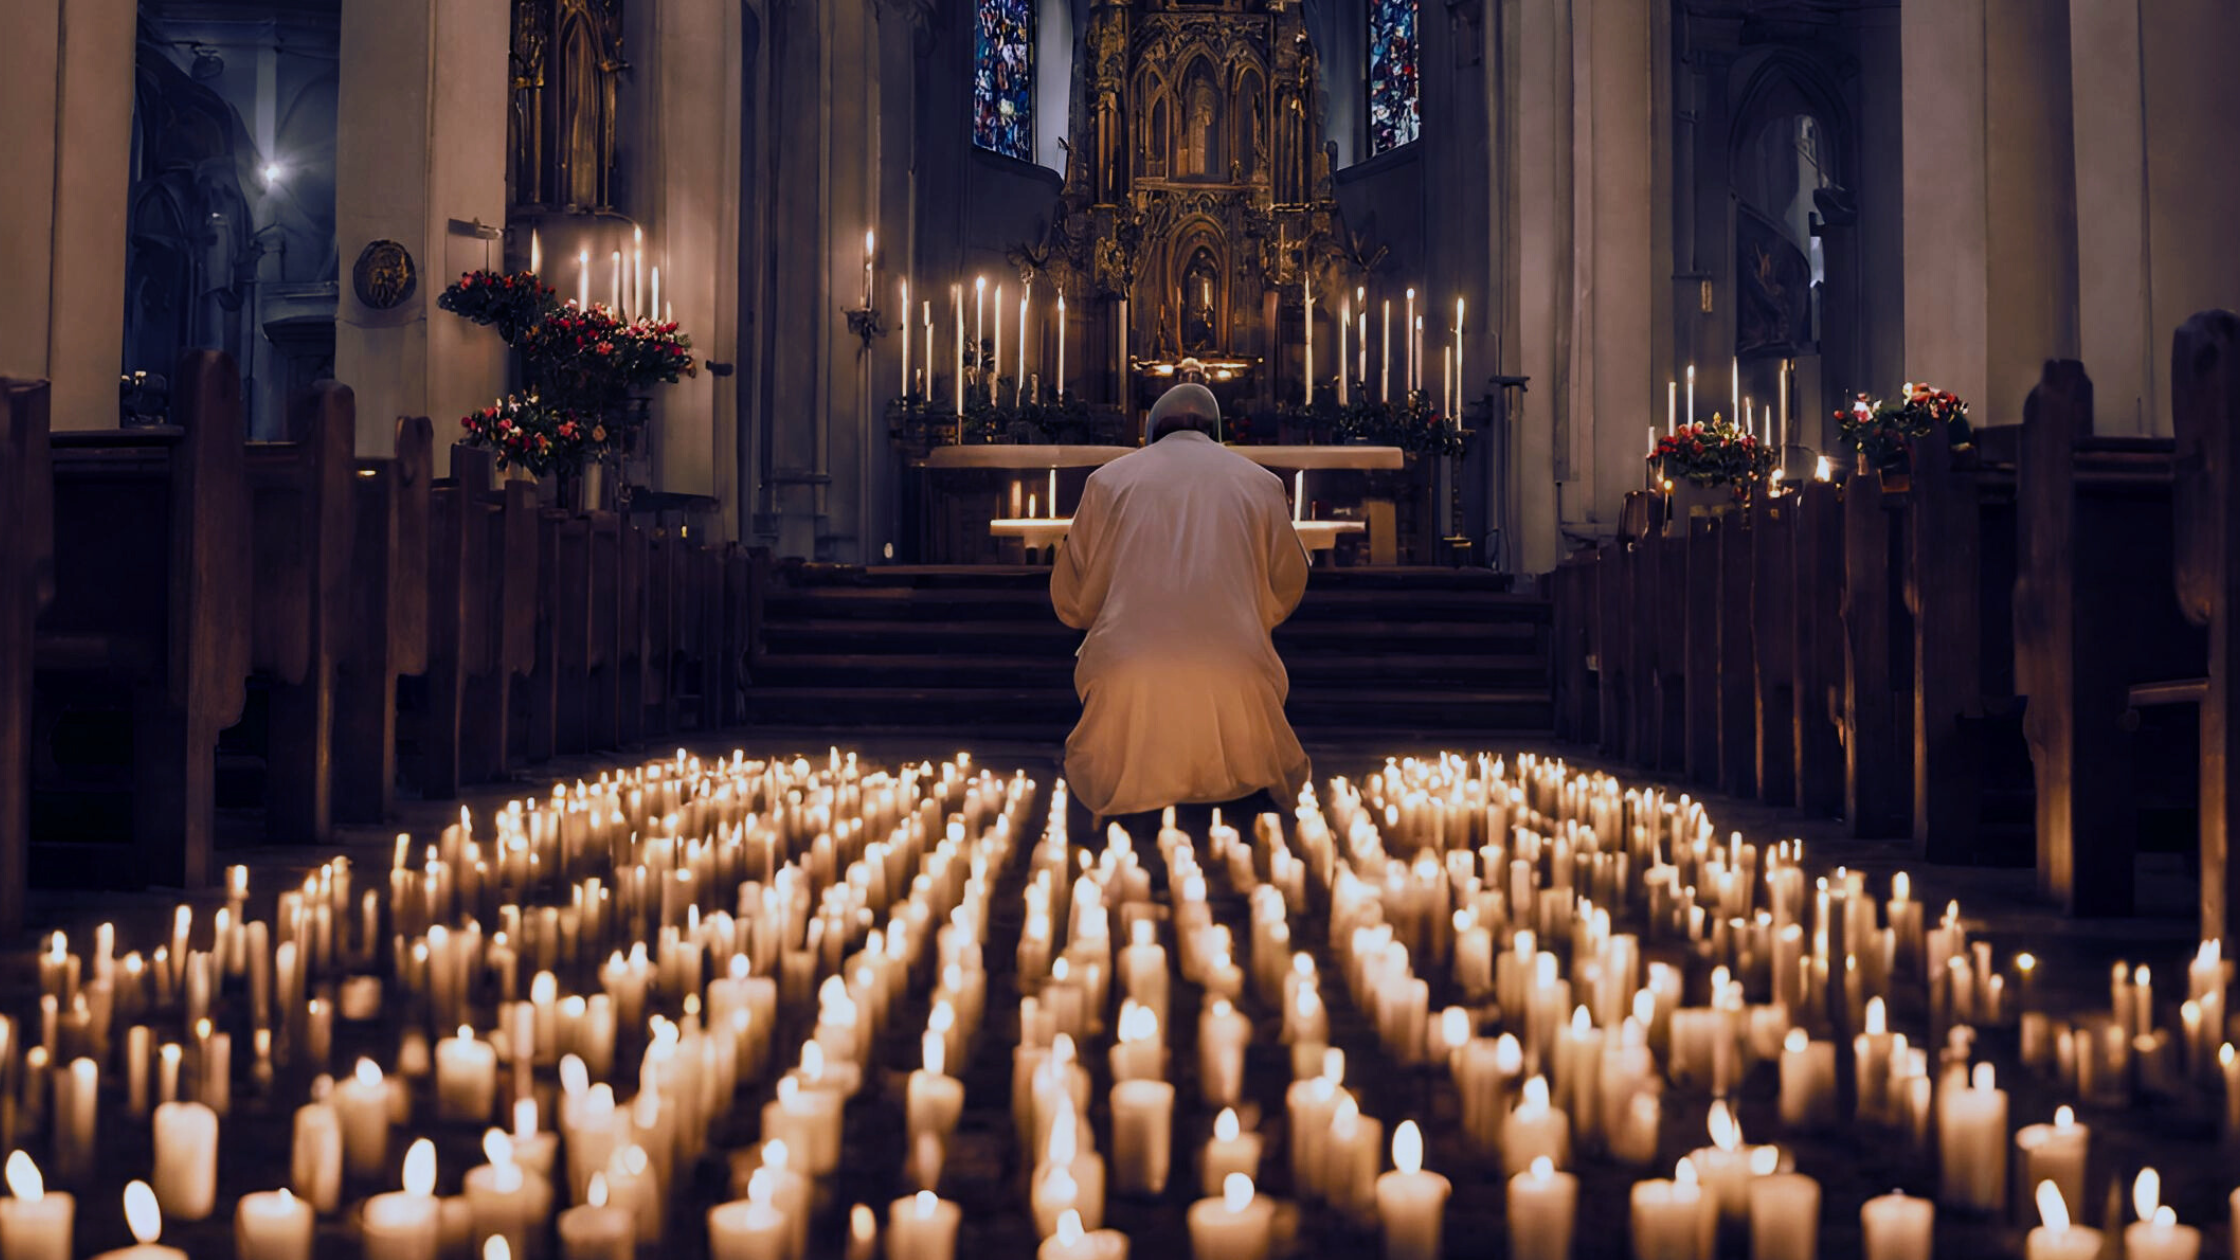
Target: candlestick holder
[{"x": 865, "y": 323}]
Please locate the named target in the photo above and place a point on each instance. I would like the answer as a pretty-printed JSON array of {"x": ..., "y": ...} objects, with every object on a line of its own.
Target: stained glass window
[
  {"x": 1393, "y": 120},
  {"x": 1003, "y": 78}
]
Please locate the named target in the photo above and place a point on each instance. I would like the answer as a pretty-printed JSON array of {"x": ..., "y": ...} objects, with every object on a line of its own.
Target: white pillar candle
[
  {"x": 1235, "y": 1226},
  {"x": 2156, "y": 1235},
  {"x": 466, "y": 1078},
  {"x": 35, "y": 1223},
  {"x": 1972, "y": 1143},
  {"x": 77, "y": 1113},
  {"x": 751, "y": 1228},
  {"x": 596, "y": 1229},
  {"x": 1784, "y": 1217},
  {"x": 1232, "y": 1150},
  {"x": 923, "y": 1227},
  {"x": 272, "y": 1225},
  {"x": 406, "y": 1224},
  {"x": 505, "y": 1199},
  {"x": 1543, "y": 1209},
  {"x": 361, "y": 1105},
  {"x": 1411, "y": 1203},
  {"x": 1072, "y": 1242},
  {"x": 932, "y": 1098},
  {"x": 1808, "y": 1081},
  {"x": 145, "y": 1218},
  {"x": 1059, "y": 331},
  {"x": 1384, "y": 372},
  {"x": 1895, "y": 1226},
  {"x": 186, "y": 1173},
  {"x": 1673, "y": 1220},
  {"x": 995, "y": 354},
  {"x": 2057, "y": 1153},
  {"x": 315, "y": 1157},
  {"x": 1534, "y": 1130},
  {"x": 2057, "y": 1239},
  {"x": 1142, "y": 1136},
  {"x": 1306, "y": 283}
]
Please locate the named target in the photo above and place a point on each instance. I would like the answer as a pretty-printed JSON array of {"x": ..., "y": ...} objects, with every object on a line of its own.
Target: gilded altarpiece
[{"x": 1198, "y": 191}]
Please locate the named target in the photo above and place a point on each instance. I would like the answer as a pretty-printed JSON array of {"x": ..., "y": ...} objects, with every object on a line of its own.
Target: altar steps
[{"x": 1426, "y": 654}]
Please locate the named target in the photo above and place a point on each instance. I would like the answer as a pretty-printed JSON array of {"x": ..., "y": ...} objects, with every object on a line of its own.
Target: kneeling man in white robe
[{"x": 1180, "y": 561}]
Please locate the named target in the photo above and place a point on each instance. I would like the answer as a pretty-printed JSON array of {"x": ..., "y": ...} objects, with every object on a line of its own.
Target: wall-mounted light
[{"x": 272, "y": 173}]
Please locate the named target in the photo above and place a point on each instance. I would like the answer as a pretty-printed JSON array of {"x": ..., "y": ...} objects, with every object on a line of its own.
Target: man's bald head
[{"x": 1185, "y": 406}]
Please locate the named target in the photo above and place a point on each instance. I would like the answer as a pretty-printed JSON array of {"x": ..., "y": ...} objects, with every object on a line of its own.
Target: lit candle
[
  {"x": 466, "y": 1077},
  {"x": 1019, "y": 380},
  {"x": 654, "y": 311},
  {"x": 1808, "y": 1080},
  {"x": 1361, "y": 341},
  {"x": 1535, "y": 1130},
  {"x": 1072, "y": 1242},
  {"x": 637, "y": 271},
  {"x": 1460, "y": 395},
  {"x": 617, "y": 287},
  {"x": 956, "y": 295},
  {"x": 2157, "y": 1235},
  {"x": 1053, "y": 494},
  {"x": 1345, "y": 328},
  {"x": 1411, "y": 1203},
  {"x": 34, "y": 1224},
  {"x": 406, "y": 1224},
  {"x": 361, "y": 1104},
  {"x": 144, "y": 1217},
  {"x": 272, "y": 1225},
  {"x": 1232, "y": 1150},
  {"x": 933, "y": 1099},
  {"x": 1408, "y": 334},
  {"x": 1726, "y": 1166},
  {"x": 1307, "y": 287},
  {"x": 923, "y": 1227},
  {"x": 1673, "y": 1220},
  {"x": 925, "y": 387},
  {"x": 1671, "y": 406},
  {"x": 1784, "y": 1217},
  {"x": 995, "y": 355},
  {"x": 536, "y": 252},
  {"x": 1233, "y": 1227},
  {"x": 753, "y": 1228},
  {"x": 2057, "y": 1153},
  {"x": 1971, "y": 1143},
  {"x": 186, "y": 1174},
  {"x": 979, "y": 321},
  {"x": 597, "y": 1230},
  {"x": 1895, "y": 1226},
  {"x": 583, "y": 279},
  {"x": 870, "y": 252},
  {"x": 1543, "y": 1208},
  {"x": 1061, "y": 335},
  {"x": 1691, "y": 413},
  {"x": 505, "y": 1199},
  {"x": 2057, "y": 1239},
  {"x": 904, "y": 320},
  {"x": 1734, "y": 380}
]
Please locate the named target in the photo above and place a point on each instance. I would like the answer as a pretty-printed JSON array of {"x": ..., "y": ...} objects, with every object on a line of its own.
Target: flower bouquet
[
  {"x": 1884, "y": 432},
  {"x": 510, "y": 302},
  {"x": 1714, "y": 454},
  {"x": 531, "y": 434}
]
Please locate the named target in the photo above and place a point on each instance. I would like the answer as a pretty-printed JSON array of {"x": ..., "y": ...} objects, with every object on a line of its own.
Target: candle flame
[
  {"x": 24, "y": 1181},
  {"x": 1225, "y": 1126},
  {"x": 1796, "y": 1041},
  {"x": 1070, "y": 1232},
  {"x": 1726, "y": 1134},
  {"x": 1765, "y": 1161},
  {"x": 141, "y": 1214},
  {"x": 1878, "y": 1017},
  {"x": 1062, "y": 1138},
  {"x": 924, "y": 1204},
  {"x": 1822, "y": 470},
  {"x": 862, "y": 1225},
  {"x": 420, "y": 1168},
  {"x": 2165, "y": 1217},
  {"x": 497, "y": 1147},
  {"x": 574, "y": 1076},
  {"x": 2025, "y": 963},
  {"x": 2225, "y": 1054},
  {"x": 1984, "y": 1078},
  {"x": 595, "y": 1193},
  {"x": 1454, "y": 1025},
  {"x": 2146, "y": 1193},
  {"x": 1684, "y": 1174},
  {"x": 496, "y": 1249},
  {"x": 2064, "y": 1116},
  {"x": 1535, "y": 1096},
  {"x": 761, "y": 1187},
  {"x": 2051, "y": 1209},
  {"x": 1407, "y": 1148},
  {"x": 1508, "y": 1054},
  {"x": 1581, "y": 1022},
  {"x": 1236, "y": 1192},
  {"x": 1334, "y": 1066},
  {"x": 1645, "y": 1006},
  {"x": 1346, "y": 1119}
]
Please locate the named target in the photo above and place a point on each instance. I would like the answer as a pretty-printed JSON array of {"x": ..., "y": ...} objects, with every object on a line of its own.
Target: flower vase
[{"x": 1690, "y": 498}]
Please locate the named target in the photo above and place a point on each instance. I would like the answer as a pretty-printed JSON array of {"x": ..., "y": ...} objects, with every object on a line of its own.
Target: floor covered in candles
[{"x": 2174, "y": 1127}]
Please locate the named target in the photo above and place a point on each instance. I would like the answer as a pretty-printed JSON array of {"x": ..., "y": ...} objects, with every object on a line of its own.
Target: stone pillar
[
  {"x": 1617, "y": 199},
  {"x": 2112, "y": 248},
  {"x": 420, "y": 141},
  {"x": 66, "y": 147},
  {"x": 2193, "y": 187},
  {"x": 1990, "y": 197}
]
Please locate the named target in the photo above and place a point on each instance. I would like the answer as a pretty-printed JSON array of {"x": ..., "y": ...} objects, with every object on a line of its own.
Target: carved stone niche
[{"x": 561, "y": 122}]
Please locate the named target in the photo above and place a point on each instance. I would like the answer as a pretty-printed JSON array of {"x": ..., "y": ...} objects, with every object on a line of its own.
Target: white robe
[{"x": 1180, "y": 560}]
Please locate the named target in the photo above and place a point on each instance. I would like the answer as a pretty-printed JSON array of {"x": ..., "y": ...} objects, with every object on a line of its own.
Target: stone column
[
  {"x": 66, "y": 147},
  {"x": 1990, "y": 197},
  {"x": 2193, "y": 187},
  {"x": 1615, "y": 171},
  {"x": 420, "y": 141}
]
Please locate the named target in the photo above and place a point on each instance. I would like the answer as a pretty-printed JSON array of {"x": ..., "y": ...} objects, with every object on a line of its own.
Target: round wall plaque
[{"x": 384, "y": 276}]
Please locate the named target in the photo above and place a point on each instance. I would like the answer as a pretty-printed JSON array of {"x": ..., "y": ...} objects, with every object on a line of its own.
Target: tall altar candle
[
  {"x": 637, "y": 271},
  {"x": 1734, "y": 384},
  {"x": 1691, "y": 393},
  {"x": 1308, "y": 283},
  {"x": 616, "y": 288},
  {"x": 1361, "y": 356},
  {"x": 1671, "y": 405},
  {"x": 927, "y": 307},
  {"x": 956, "y": 291},
  {"x": 870, "y": 252},
  {"x": 1417, "y": 333},
  {"x": 1345, "y": 326},
  {"x": 1060, "y": 333},
  {"x": 1788, "y": 367},
  {"x": 995, "y": 356},
  {"x": 905, "y": 322},
  {"x": 536, "y": 252},
  {"x": 1123, "y": 372},
  {"x": 1019, "y": 382},
  {"x": 35, "y": 1221},
  {"x": 654, "y": 311},
  {"x": 1458, "y": 386},
  {"x": 1408, "y": 335},
  {"x": 1384, "y": 373},
  {"x": 979, "y": 319},
  {"x": 583, "y": 279}
]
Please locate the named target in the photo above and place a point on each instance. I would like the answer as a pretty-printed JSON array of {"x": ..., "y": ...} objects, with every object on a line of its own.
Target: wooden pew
[
  {"x": 2205, "y": 409},
  {"x": 1877, "y": 719},
  {"x": 152, "y": 571},
  {"x": 742, "y": 648},
  {"x": 1614, "y": 652},
  {"x": 302, "y": 511},
  {"x": 500, "y": 643},
  {"x": 455, "y": 554},
  {"x": 536, "y": 698},
  {"x": 386, "y": 629},
  {"x": 1773, "y": 598},
  {"x": 668, "y": 607},
  {"x": 603, "y": 653},
  {"x": 1738, "y": 701},
  {"x": 1700, "y": 686},
  {"x": 1666, "y": 687},
  {"x": 633, "y": 556},
  {"x": 1572, "y": 588},
  {"x": 1817, "y": 646},
  {"x": 26, "y": 585},
  {"x": 573, "y": 639}
]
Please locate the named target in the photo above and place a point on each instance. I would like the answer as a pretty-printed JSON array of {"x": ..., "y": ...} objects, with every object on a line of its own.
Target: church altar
[
  {"x": 1288, "y": 458},
  {"x": 1044, "y": 532}
]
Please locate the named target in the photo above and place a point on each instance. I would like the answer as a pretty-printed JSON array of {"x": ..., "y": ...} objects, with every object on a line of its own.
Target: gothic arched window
[
  {"x": 1393, "y": 120},
  {"x": 1003, "y": 77}
]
